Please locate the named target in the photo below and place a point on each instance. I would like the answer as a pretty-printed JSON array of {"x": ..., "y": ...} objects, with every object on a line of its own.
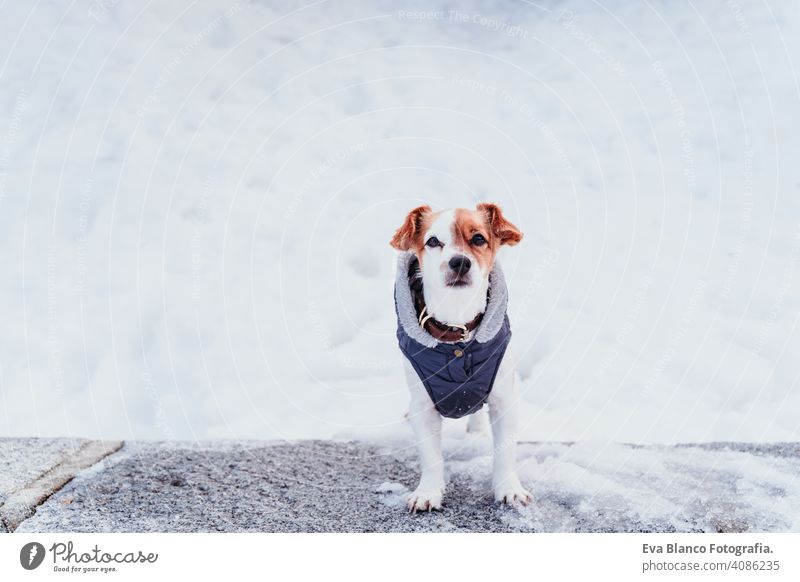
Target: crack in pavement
[{"x": 22, "y": 503}]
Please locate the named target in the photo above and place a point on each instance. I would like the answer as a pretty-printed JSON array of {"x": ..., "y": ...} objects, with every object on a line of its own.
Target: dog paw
[
  {"x": 512, "y": 493},
  {"x": 424, "y": 500}
]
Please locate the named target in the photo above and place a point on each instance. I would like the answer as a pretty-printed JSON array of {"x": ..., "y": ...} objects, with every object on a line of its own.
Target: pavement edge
[{"x": 22, "y": 503}]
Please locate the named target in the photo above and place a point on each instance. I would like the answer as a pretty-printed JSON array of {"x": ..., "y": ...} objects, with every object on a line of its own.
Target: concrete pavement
[
  {"x": 36, "y": 468},
  {"x": 330, "y": 486}
]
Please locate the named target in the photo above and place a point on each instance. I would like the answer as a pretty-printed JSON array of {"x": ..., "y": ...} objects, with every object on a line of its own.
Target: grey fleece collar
[{"x": 492, "y": 318}]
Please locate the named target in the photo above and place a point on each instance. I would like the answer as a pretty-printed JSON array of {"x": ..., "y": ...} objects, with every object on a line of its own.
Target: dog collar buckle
[{"x": 464, "y": 331}]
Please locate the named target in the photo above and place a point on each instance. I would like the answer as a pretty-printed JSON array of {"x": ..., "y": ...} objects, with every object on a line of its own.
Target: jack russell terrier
[{"x": 452, "y": 327}]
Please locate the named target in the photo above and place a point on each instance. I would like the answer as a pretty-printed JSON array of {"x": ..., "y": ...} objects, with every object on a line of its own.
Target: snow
[
  {"x": 610, "y": 487},
  {"x": 196, "y": 203},
  {"x": 391, "y": 487}
]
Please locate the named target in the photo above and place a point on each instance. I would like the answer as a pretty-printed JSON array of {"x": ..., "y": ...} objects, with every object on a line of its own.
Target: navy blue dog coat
[{"x": 457, "y": 376}]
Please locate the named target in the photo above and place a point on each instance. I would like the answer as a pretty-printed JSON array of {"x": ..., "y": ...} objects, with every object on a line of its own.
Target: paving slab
[
  {"x": 37, "y": 468},
  {"x": 23, "y": 459},
  {"x": 329, "y": 486}
]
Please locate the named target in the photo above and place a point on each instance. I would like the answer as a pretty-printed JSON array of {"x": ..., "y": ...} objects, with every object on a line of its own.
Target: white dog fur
[{"x": 455, "y": 305}]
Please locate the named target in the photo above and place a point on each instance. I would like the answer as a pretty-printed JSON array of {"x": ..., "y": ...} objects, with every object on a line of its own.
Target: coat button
[{"x": 458, "y": 353}]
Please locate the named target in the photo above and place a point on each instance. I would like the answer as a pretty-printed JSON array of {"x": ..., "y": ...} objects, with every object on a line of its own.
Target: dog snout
[{"x": 460, "y": 264}]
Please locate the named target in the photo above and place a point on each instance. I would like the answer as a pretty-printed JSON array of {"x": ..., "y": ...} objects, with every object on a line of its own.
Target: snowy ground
[
  {"x": 338, "y": 486},
  {"x": 196, "y": 201}
]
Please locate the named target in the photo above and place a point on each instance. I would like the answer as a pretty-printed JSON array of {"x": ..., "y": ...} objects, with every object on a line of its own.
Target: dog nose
[{"x": 460, "y": 264}]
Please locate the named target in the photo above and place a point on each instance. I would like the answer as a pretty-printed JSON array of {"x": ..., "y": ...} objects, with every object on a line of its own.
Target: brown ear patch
[
  {"x": 506, "y": 233},
  {"x": 407, "y": 236}
]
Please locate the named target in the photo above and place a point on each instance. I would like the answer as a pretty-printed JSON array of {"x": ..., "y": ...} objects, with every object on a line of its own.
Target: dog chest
[{"x": 458, "y": 377}]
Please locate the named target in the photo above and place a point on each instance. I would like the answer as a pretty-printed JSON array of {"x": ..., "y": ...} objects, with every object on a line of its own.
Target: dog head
[{"x": 456, "y": 250}]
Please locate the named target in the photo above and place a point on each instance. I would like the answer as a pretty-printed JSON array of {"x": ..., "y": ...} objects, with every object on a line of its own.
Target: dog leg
[
  {"x": 503, "y": 417},
  {"x": 427, "y": 425},
  {"x": 478, "y": 422}
]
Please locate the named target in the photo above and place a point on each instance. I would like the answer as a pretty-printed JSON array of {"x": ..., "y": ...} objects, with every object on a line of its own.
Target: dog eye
[
  {"x": 433, "y": 242},
  {"x": 478, "y": 240}
]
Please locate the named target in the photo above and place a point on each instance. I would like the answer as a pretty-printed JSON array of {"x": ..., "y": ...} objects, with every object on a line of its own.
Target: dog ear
[
  {"x": 403, "y": 239},
  {"x": 507, "y": 233}
]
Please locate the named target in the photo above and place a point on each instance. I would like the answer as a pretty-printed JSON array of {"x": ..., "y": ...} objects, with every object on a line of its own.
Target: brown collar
[{"x": 447, "y": 333}]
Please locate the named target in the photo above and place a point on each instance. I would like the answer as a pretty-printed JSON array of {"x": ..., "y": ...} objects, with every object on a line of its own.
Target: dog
[{"x": 450, "y": 299}]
